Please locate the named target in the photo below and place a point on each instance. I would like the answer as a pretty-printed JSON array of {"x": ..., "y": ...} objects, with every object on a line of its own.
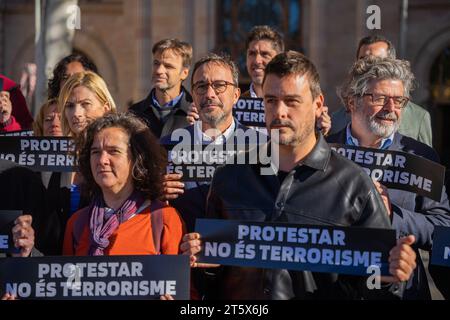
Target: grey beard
[
  {"x": 214, "y": 120},
  {"x": 381, "y": 130},
  {"x": 378, "y": 129}
]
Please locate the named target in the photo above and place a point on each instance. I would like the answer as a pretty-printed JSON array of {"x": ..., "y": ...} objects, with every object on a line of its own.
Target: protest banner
[
  {"x": 441, "y": 246},
  {"x": 96, "y": 278},
  {"x": 39, "y": 153},
  {"x": 346, "y": 250},
  {"x": 198, "y": 162},
  {"x": 7, "y": 218},
  {"x": 250, "y": 112},
  {"x": 21, "y": 133},
  {"x": 398, "y": 170}
]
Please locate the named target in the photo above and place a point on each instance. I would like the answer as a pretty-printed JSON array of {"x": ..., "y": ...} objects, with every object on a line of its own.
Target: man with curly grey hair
[
  {"x": 416, "y": 120},
  {"x": 376, "y": 92},
  {"x": 374, "y": 81}
]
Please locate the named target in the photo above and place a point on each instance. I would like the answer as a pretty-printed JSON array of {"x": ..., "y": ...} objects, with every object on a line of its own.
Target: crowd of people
[{"x": 121, "y": 201}]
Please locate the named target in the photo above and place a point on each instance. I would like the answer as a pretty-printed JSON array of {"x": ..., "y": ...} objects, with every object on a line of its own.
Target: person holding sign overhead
[
  {"x": 310, "y": 184},
  {"x": 376, "y": 92},
  {"x": 123, "y": 165}
]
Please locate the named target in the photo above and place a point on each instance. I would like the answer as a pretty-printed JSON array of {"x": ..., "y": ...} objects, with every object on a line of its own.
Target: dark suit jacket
[
  {"x": 412, "y": 213},
  {"x": 415, "y": 123},
  {"x": 192, "y": 204},
  {"x": 22, "y": 189},
  {"x": 146, "y": 111}
]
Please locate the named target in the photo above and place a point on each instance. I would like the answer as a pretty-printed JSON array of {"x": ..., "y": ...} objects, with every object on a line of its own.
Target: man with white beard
[{"x": 376, "y": 92}]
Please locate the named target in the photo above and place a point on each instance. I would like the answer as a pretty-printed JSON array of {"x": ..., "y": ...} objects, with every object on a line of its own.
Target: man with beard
[
  {"x": 312, "y": 185},
  {"x": 416, "y": 121},
  {"x": 215, "y": 90},
  {"x": 262, "y": 44},
  {"x": 166, "y": 107},
  {"x": 376, "y": 92}
]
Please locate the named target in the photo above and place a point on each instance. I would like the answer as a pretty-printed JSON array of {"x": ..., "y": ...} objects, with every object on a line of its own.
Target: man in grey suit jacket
[
  {"x": 415, "y": 122},
  {"x": 376, "y": 91}
]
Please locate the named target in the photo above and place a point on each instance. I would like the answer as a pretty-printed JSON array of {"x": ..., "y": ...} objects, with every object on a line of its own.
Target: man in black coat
[
  {"x": 312, "y": 185},
  {"x": 166, "y": 107}
]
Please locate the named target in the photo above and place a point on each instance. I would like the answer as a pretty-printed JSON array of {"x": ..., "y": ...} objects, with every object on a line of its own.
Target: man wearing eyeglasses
[
  {"x": 376, "y": 92},
  {"x": 416, "y": 121},
  {"x": 214, "y": 90},
  {"x": 311, "y": 185}
]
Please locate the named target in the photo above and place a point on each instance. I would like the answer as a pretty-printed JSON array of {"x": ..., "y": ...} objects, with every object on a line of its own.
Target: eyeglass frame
[
  {"x": 406, "y": 100},
  {"x": 195, "y": 86}
]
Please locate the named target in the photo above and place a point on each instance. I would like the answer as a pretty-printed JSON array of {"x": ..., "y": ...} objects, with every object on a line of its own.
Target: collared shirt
[
  {"x": 169, "y": 104},
  {"x": 200, "y": 137},
  {"x": 303, "y": 197},
  {"x": 352, "y": 141},
  {"x": 252, "y": 91}
]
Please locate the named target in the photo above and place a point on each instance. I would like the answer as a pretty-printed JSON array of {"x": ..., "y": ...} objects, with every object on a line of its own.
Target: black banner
[
  {"x": 21, "y": 133},
  {"x": 96, "y": 278},
  {"x": 398, "y": 170},
  {"x": 7, "y": 218},
  {"x": 441, "y": 246},
  {"x": 39, "y": 153},
  {"x": 198, "y": 163},
  {"x": 346, "y": 250},
  {"x": 250, "y": 112}
]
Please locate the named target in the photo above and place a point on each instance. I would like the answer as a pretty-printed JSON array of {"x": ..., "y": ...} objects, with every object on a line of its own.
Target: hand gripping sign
[{"x": 96, "y": 278}]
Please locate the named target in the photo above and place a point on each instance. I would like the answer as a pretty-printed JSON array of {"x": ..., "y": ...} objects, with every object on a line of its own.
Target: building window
[
  {"x": 235, "y": 18},
  {"x": 440, "y": 78}
]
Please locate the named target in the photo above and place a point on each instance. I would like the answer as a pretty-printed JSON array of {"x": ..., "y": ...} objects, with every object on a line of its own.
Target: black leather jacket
[{"x": 326, "y": 189}]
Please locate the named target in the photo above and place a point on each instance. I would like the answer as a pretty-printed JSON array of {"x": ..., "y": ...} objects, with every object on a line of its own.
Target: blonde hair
[
  {"x": 91, "y": 81},
  {"x": 38, "y": 124}
]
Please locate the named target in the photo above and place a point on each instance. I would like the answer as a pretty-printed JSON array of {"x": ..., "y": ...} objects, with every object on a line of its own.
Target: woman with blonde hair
[
  {"x": 51, "y": 223},
  {"x": 48, "y": 120},
  {"x": 83, "y": 98}
]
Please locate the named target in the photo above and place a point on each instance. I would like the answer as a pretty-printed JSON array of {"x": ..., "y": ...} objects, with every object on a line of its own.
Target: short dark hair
[
  {"x": 181, "y": 48},
  {"x": 220, "y": 59},
  {"x": 377, "y": 38},
  {"x": 149, "y": 161},
  {"x": 60, "y": 69},
  {"x": 292, "y": 63},
  {"x": 266, "y": 33}
]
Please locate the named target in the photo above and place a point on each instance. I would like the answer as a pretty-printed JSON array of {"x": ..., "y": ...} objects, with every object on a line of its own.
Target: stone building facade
[{"x": 118, "y": 36}]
